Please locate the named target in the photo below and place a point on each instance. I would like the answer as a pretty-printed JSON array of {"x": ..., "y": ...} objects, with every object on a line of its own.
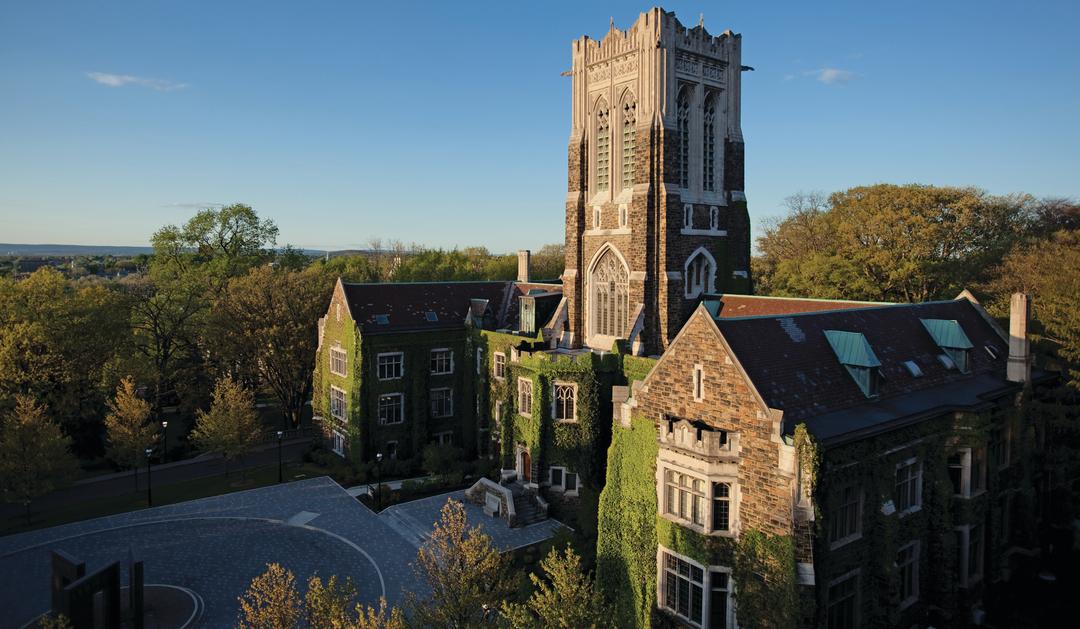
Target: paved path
[
  {"x": 122, "y": 483},
  {"x": 215, "y": 546}
]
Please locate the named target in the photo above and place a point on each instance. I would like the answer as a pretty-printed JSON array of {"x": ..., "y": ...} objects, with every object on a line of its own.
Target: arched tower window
[
  {"x": 629, "y": 138},
  {"x": 709, "y": 143},
  {"x": 682, "y": 112},
  {"x": 700, "y": 274},
  {"x": 609, "y": 291},
  {"x": 603, "y": 147}
]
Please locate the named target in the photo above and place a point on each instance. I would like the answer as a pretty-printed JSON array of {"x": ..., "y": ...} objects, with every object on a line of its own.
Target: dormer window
[
  {"x": 431, "y": 316},
  {"x": 382, "y": 319},
  {"x": 913, "y": 368},
  {"x": 950, "y": 337},
  {"x": 855, "y": 354}
]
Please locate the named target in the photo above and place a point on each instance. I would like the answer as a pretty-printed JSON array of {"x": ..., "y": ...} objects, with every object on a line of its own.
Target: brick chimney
[
  {"x": 1019, "y": 366},
  {"x": 523, "y": 265}
]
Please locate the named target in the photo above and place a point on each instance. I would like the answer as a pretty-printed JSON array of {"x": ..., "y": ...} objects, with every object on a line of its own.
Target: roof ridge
[
  {"x": 839, "y": 301},
  {"x": 430, "y": 282},
  {"x": 879, "y": 306}
]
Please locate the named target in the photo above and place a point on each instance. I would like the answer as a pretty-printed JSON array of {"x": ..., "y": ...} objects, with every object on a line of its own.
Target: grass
[{"x": 163, "y": 495}]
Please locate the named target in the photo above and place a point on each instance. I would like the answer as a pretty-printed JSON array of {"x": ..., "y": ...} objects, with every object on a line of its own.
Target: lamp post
[
  {"x": 280, "y": 434},
  {"x": 149, "y": 496},
  {"x": 378, "y": 479},
  {"x": 164, "y": 441}
]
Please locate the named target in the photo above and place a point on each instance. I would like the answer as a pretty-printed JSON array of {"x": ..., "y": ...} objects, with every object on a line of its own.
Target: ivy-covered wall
[
  {"x": 578, "y": 445},
  {"x": 339, "y": 331},
  {"x": 870, "y": 465}
]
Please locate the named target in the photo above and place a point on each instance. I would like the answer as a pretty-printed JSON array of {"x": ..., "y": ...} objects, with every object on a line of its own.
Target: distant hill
[{"x": 11, "y": 249}]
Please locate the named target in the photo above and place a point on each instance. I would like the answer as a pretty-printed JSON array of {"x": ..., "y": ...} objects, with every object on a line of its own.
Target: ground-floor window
[
  {"x": 699, "y": 595},
  {"x": 907, "y": 568},
  {"x": 444, "y": 438},
  {"x": 561, "y": 479},
  {"x": 391, "y": 408},
  {"x": 843, "y": 595},
  {"x": 391, "y": 450},
  {"x": 337, "y": 443}
]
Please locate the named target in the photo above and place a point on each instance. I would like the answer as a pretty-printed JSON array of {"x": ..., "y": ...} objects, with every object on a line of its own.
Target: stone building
[{"x": 817, "y": 462}]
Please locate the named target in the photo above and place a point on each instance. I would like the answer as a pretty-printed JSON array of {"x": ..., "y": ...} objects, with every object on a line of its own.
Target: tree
[
  {"x": 464, "y": 573},
  {"x": 891, "y": 243},
  {"x": 231, "y": 427},
  {"x": 328, "y": 605},
  {"x": 268, "y": 318},
  {"x": 229, "y": 240},
  {"x": 128, "y": 433},
  {"x": 34, "y": 454},
  {"x": 566, "y": 598},
  {"x": 271, "y": 601}
]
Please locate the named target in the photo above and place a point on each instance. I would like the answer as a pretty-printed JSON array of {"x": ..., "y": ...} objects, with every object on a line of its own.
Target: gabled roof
[
  {"x": 406, "y": 305},
  {"x": 421, "y": 306},
  {"x": 793, "y": 364}
]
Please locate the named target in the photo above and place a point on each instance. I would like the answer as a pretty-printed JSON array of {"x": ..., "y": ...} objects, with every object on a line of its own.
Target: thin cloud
[
  {"x": 120, "y": 80},
  {"x": 832, "y": 76}
]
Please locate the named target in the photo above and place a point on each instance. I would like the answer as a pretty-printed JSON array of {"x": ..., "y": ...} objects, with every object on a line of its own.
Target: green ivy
[{"x": 766, "y": 589}]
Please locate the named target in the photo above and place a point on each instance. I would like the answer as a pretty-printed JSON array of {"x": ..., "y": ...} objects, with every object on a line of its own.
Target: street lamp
[
  {"x": 378, "y": 478},
  {"x": 164, "y": 441},
  {"x": 280, "y": 434},
  {"x": 149, "y": 496}
]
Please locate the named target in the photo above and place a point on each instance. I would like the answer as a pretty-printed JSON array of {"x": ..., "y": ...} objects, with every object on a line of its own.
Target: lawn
[{"x": 164, "y": 495}]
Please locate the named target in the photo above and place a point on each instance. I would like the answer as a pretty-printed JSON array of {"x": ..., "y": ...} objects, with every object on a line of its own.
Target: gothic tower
[{"x": 655, "y": 210}]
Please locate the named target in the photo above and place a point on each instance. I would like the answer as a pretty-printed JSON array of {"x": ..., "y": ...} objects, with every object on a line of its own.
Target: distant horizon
[{"x": 448, "y": 125}]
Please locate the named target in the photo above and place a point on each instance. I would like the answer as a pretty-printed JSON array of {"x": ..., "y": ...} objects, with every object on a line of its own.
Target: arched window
[
  {"x": 629, "y": 139},
  {"x": 700, "y": 274},
  {"x": 609, "y": 291},
  {"x": 709, "y": 143},
  {"x": 682, "y": 113},
  {"x": 603, "y": 147}
]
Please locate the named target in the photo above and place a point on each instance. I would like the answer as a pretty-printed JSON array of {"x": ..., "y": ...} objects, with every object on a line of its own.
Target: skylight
[
  {"x": 913, "y": 368},
  {"x": 382, "y": 319},
  {"x": 431, "y": 316},
  {"x": 855, "y": 354}
]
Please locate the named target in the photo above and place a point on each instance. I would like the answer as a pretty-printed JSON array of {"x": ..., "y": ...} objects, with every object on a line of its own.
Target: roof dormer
[
  {"x": 855, "y": 354},
  {"x": 950, "y": 337}
]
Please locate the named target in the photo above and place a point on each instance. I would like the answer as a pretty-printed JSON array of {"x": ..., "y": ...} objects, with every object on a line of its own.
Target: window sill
[
  {"x": 440, "y": 373},
  {"x": 690, "y": 231},
  {"x": 390, "y": 379},
  {"x": 844, "y": 541},
  {"x": 566, "y": 421},
  {"x": 340, "y": 375},
  {"x": 697, "y": 528},
  {"x": 909, "y": 511}
]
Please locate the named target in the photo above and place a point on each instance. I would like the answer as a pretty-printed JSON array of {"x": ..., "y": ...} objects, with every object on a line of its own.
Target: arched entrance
[{"x": 524, "y": 466}]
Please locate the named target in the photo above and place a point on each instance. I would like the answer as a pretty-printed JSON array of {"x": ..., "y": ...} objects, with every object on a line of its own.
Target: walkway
[{"x": 215, "y": 546}]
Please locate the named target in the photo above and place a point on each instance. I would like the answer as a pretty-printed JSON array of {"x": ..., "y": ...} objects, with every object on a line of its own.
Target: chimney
[
  {"x": 1019, "y": 366},
  {"x": 523, "y": 265}
]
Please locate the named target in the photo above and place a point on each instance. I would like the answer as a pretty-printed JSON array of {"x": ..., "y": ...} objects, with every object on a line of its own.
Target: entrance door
[{"x": 525, "y": 466}]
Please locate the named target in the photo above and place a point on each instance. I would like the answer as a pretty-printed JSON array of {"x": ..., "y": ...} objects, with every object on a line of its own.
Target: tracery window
[
  {"x": 603, "y": 148},
  {"x": 564, "y": 399},
  {"x": 709, "y": 143},
  {"x": 700, "y": 273},
  {"x": 629, "y": 138},
  {"x": 610, "y": 287},
  {"x": 682, "y": 114}
]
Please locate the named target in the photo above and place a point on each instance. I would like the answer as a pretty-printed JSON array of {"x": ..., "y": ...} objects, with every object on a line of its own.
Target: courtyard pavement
[{"x": 215, "y": 546}]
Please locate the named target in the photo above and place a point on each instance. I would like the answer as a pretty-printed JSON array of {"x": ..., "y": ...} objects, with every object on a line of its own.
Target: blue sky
[{"x": 446, "y": 123}]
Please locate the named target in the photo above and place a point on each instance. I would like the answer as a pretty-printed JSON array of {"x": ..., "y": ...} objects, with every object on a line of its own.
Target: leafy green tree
[
  {"x": 128, "y": 432},
  {"x": 565, "y": 598},
  {"x": 268, "y": 318},
  {"x": 56, "y": 339},
  {"x": 890, "y": 243},
  {"x": 35, "y": 456},
  {"x": 271, "y": 601},
  {"x": 466, "y": 576},
  {"x": 231, "y": 427},
  {"x": 229, "y": 241}
]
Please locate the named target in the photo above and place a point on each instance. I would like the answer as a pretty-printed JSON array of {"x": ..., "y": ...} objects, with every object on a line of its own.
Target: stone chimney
[
  {"x": 523, "y": 265},
  {"x": 1019, "y": 366}
]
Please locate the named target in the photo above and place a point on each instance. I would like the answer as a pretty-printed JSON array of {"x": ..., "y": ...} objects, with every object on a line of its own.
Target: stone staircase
[{"x": 526, "y": 505}]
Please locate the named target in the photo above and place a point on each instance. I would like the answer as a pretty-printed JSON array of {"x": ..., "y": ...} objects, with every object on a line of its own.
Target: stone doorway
[{"x": 524, "y": 466}]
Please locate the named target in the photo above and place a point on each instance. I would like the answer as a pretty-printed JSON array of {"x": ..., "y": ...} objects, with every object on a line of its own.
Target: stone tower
[{"x": 655, "y": 210}]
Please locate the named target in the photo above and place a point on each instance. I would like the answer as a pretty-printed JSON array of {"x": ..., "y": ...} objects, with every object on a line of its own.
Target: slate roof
[
  {"x": 406, "y": 304},
  {"x": 794, "y": 368},
  {"x": 727, "y": 306}
]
